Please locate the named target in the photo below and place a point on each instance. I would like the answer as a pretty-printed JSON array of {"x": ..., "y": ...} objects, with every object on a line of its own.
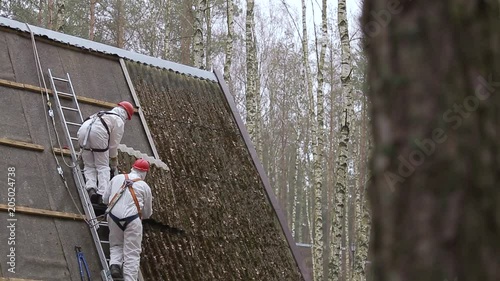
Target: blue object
[{"x": 82, "y": 261}]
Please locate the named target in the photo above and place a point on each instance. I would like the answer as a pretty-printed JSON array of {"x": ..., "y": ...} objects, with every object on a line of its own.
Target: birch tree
[
  {"x": 311, "y": 124},
  {"x": 60, "y": 15},
  {"x": 362, "y": 209},
  {"x": 436, "y": 164},
  {"x": 339, "y": 220},
  {"x": 198, "y": 49},
  {"x": 186, "y": 31},
  {"x": 318, "y": 152},
  {"x": 229, "y": 41},
  {"x": 167, "y": 29},
  {"x": 251, "y": 85},
  {"x": 208, "y": 37},
  {"x": 309, "y": 141}
]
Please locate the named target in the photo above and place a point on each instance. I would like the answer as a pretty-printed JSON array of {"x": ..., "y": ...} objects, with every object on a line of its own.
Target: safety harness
[
  {"x": 94, "y": 118},
  {"x": 127, "y": 185}
]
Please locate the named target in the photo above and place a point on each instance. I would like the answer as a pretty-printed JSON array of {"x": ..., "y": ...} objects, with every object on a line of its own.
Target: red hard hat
[
  {"x": 128, "y": 107},
  {"x": 141, "y": 165}
]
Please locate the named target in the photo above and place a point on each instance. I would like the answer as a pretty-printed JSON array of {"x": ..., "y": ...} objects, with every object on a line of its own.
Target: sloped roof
[
  {"x": 106, "y": 49},
  {"x": 214, "y": 192}
]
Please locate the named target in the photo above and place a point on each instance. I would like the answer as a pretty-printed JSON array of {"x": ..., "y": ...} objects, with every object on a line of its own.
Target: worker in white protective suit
[
  {"x": 129, "y": 201},
  {"x": 99, "y": 137}
]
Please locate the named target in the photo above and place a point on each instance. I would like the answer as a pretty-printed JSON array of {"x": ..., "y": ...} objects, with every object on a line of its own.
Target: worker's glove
[
  {"x": 113, "y": 162},
  {"x": 113, "y": 167}
]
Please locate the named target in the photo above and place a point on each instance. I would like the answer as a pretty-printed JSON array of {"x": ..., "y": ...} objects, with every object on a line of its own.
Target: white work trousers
[
  {"x": 96, "y": 164},
  {"x": 125, "y": 247}
]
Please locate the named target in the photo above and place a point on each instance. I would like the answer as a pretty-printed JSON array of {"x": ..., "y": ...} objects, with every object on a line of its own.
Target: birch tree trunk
[
  {"x": 186, "y": 31},
  {"x": 311, "y": 124},
  {"x": 301, "y": 222},
  {"x": 251, "y": 91},
  {"x": 198, "y": 52},
  {"x": 92, "y": 19},
  {"x": 434, "y": 77},
  {"x": 60, "y": 16},
  {"x": 297, "y": 188},
  {"x": 256, "y": 88},
  {"x": 167, "y": 37},
  {"x": 362, "y": 208},
  {"x": 338, "y": 225},
  {"x": 229, "y": 41},
  {"x": 317, "y": 225},
  {"x": 208, "y": 45},
  {"x": 309, "y": 220},
  {"x": 318, "y": 154}
]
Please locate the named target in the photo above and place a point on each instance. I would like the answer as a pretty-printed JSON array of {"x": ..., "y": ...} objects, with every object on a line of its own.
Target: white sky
[
  {"x": 353, "y": 10},
  {"x": 353, "y": 6}
]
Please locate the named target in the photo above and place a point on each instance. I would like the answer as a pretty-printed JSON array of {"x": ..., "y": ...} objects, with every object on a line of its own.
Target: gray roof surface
[{"x": 106, "y": 49}]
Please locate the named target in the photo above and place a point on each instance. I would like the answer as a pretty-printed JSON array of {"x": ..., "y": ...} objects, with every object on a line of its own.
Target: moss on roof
[{"x": 213, "y": 191}]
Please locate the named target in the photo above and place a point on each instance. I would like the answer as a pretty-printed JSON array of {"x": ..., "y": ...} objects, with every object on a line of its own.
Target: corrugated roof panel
[{"x": 106, "y": 49}]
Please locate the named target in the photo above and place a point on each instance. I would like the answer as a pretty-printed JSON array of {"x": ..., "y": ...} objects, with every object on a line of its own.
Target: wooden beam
[
  {"x": 35, "y": 89},
  {"x": 42, "y": 212},
  {"x": 65, "y": 151},
  {"x": 21, "y": 144}
]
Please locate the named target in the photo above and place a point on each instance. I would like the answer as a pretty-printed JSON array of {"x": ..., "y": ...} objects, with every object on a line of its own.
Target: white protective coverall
[
  {"x": 96, "y": 164},
  {"x": 125, "y": 246}
]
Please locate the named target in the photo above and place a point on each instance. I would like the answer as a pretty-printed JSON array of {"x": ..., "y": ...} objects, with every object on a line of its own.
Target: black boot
[
  {"x": 116, "y": 271},
  {"x": 94, "y": 197}
]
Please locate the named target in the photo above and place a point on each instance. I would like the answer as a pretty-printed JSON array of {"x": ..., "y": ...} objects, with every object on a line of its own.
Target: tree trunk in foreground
[{"x": 434, "y": 81}]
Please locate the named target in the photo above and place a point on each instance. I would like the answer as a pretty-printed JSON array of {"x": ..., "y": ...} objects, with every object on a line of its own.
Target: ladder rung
[
  {"x": 104, "y": 242},
  {"x": 69, "y": 108},
  {"x": 64, "y": 94},
  {"x": 73, "y": 138},
  {"x": 73, "y": 123},
  {"x": 60, "y": 79}
]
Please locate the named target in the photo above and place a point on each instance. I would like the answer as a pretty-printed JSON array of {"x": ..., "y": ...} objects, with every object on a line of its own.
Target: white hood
[
  {"x": 121, "y": 112},
  {"x": 140, "y": 174}
]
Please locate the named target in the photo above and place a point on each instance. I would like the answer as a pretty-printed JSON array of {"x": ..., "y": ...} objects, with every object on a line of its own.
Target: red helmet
[
  {"x": 128, "y": 107},
  {"x": 141, "y": 165}
]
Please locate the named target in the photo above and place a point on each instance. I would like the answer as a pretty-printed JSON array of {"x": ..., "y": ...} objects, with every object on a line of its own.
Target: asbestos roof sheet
[{"x": 106, "y": 49}]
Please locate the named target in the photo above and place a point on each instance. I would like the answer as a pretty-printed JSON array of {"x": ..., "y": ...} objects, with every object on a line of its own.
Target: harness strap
[
  {"x": 132, "y": 191},
  {"x": 135, "y": 201},
  {"x": 117, "y": 196},
  {"x": 99, "y": 115},
  {"x": 127, "y": 220}
]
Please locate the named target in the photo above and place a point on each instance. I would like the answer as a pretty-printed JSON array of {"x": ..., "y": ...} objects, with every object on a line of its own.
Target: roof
[{"x": 106, "y": 49}]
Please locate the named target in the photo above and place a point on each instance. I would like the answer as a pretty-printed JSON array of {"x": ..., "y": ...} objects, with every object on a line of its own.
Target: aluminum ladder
[{"x": 72, "y": 112}]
